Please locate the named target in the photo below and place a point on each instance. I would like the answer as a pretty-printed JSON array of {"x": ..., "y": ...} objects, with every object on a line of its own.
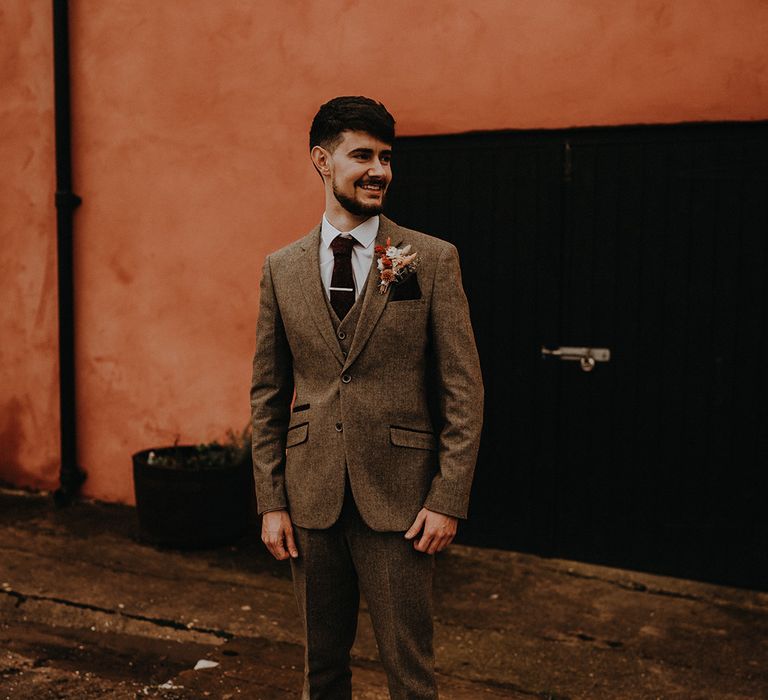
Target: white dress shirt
[{"x": 362, "y": 254}]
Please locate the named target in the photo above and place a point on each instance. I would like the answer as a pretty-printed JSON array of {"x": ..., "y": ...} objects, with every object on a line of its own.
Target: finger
[
  {"x": 281, "y": 552},
  {"x": 423, "y": 544},
  {"x": 292, "y": 549},
  {"x": 436, "y": 545},
  {"x": 270, "y": 548},
  {"x": 274, "y": 543},
  {"x": 442, "y": 540},
  {"x": 265, "y": 538},
  {"x": 417, "y": 525}
]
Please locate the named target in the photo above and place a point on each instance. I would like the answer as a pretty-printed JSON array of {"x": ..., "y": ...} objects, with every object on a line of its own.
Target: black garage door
[{"x": 647, "y": 243}]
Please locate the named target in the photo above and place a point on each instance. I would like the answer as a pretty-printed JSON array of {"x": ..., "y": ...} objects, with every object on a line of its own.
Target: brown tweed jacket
[{"x": 402, "y": 411}]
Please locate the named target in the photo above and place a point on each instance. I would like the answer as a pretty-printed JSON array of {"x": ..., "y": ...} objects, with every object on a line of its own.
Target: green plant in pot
[{"x": 195, "y": 496}]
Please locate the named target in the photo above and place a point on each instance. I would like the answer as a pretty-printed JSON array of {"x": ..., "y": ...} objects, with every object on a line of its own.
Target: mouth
[{"x": 373, "y": 187}]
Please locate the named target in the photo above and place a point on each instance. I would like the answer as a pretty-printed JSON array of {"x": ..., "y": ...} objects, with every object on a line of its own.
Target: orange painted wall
[
  {"x": 191, "y": 158},
  {"x": 29, "y": 403}
]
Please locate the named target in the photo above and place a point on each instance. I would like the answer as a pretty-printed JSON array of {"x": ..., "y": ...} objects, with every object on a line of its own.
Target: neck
[{"x": 340, "y": 218}]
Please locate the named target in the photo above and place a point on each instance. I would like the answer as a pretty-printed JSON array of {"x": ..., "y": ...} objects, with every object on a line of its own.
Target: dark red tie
[{"x": 342, "y": 281}]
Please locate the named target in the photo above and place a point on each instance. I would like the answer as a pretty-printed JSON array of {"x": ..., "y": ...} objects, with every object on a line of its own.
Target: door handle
[{"x": 587, "y": 357}]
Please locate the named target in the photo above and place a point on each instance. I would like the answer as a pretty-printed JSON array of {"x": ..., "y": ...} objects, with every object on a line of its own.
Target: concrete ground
[{"x": 88, "y": 611}]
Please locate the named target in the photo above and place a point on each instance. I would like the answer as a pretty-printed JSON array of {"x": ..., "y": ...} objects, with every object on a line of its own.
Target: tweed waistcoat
[{"x": 345, "y": 329}]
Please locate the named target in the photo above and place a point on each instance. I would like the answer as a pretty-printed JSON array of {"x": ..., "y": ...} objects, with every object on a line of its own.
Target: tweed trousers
[{"x": 333, "y": 567}]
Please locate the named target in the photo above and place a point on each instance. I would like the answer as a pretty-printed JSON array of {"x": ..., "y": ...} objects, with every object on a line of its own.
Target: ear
[{"x": 321, "y": 160}]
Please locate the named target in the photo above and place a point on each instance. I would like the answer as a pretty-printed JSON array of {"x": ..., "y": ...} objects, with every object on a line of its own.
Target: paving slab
[{"x": 89, "y": 610}]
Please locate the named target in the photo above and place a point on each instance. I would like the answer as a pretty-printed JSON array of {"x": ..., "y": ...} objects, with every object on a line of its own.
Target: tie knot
[{"x": 342, "y": 246}]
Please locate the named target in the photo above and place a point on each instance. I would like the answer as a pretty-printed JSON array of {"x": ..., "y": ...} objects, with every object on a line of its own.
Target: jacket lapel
[
  {"x": 373, "y": 301},
  {"x": 308, "y": 273}
]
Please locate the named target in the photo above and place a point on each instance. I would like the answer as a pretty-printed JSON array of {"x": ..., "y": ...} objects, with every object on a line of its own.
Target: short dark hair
[{"x": 350, "y": 114}]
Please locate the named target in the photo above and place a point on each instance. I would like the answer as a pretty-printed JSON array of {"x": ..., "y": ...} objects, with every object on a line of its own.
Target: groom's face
[{"x": 361, "y": 170}]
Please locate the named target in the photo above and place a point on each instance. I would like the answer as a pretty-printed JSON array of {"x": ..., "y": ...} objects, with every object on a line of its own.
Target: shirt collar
[{"x": 364, "y": 234}]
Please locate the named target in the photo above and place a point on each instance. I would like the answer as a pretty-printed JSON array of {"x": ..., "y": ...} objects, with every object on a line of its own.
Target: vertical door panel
[{"x": 497, "y": 199}]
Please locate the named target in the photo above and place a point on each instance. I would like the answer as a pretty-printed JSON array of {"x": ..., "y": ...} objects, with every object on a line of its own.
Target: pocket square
[{"x": 407, "y": 290}]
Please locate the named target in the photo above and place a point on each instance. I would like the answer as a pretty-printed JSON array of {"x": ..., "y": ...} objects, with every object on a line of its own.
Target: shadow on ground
[{"x": 87, "y": 610}]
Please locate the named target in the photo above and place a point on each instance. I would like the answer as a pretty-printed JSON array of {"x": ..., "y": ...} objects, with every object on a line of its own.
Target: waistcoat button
[
  {"x": 339, "y": 427},
  {"x": 346, "y": 378},
  {"x": 342, "y": 335}
]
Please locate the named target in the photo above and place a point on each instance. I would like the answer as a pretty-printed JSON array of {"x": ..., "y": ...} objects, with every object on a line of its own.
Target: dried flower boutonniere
[{"x": 395, "y": 264}]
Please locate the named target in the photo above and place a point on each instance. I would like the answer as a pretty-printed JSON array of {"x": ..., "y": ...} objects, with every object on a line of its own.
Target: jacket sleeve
[
  {"x": 460, "y": 388},
  {"x": 271, "y": 396}
]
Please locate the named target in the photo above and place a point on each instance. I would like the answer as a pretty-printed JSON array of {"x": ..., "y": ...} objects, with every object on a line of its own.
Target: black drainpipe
[{"x": 71, "y": 476}]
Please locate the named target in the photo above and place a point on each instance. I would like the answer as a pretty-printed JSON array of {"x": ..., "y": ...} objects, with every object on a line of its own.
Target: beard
[{"x": 358, "y": 208}]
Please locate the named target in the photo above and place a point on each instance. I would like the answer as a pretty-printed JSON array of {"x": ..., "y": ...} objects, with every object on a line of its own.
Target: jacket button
[
  {"x": 346, "y": 378},
  {"x": 342, "y": 335},
  {"x": 339, "y": 427}
]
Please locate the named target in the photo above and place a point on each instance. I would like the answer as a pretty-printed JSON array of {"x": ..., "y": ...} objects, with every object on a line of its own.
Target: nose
[{"x": 377, "y": 169}]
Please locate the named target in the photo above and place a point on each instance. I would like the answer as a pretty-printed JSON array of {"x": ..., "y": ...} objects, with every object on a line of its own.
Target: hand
[
  {"x": 277, "y": 534},
  {"x": 439, "y": 531}
]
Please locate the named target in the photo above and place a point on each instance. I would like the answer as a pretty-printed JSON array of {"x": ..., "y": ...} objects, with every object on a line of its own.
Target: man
[{"x": 367, "y": 408}]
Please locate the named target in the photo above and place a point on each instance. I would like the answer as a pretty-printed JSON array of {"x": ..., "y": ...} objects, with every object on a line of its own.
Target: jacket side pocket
[
  {"x": 405, "y": 437},
  {"x": 296, "y": 435}
]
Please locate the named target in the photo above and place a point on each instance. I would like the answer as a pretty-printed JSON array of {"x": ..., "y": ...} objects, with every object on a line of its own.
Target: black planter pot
[{"x": 191, "y": 508}]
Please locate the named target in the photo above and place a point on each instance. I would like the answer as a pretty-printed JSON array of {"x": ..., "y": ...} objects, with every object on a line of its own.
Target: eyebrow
[{"x": 369, "y": 151}]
